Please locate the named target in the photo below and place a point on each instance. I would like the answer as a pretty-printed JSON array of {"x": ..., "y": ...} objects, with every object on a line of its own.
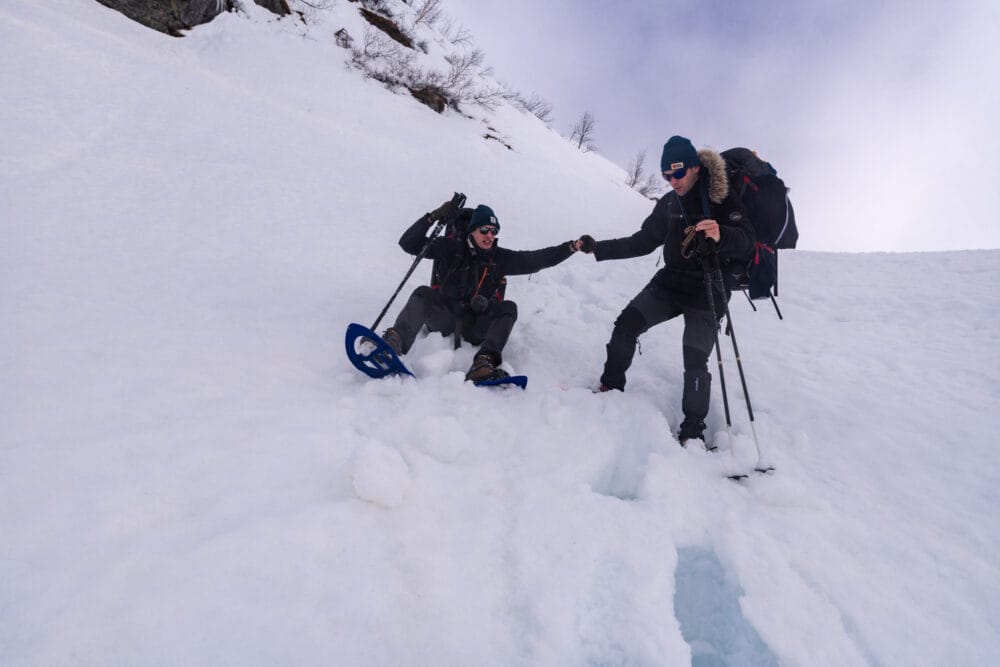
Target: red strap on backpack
[{"x": 756, "y": 254}]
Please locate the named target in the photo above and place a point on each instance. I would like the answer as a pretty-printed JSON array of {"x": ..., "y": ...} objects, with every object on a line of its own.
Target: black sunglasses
[
  {"x": 486, "y": 229},
  {"x": 676, "y": 174}
]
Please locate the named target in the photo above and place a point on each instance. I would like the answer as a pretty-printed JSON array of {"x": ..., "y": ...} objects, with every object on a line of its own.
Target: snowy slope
[{"x": 192, "y": 473}]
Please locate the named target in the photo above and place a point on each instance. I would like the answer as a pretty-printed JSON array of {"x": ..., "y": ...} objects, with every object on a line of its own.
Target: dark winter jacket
[
  {"x": 466, "y": 270},
  {"x": 709, "y": 199}
]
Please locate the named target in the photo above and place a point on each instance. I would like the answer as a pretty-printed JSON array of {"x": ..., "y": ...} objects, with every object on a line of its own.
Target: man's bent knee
[
  {"x": 507, "y": 309},
  {"x": 630, "y": 323},
  {"x": 424, "y": 291}
]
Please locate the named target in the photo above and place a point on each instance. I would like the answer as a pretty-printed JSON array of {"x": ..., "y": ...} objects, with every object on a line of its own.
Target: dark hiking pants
[
  {"x": 490, "y": 330},
  {"x": 652, "y": 306}
]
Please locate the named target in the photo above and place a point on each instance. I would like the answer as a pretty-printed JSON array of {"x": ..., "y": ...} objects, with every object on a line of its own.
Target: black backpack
[
  {"x": 455, "y": 228},
  {"x": 765, "y": 197}
]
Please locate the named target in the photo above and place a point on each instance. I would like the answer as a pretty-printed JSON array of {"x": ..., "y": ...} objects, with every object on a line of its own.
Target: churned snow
[{"x": 192, "y": 473}]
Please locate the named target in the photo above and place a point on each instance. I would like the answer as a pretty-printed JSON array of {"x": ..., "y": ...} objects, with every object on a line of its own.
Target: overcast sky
[{"x": 883, "y": 117}]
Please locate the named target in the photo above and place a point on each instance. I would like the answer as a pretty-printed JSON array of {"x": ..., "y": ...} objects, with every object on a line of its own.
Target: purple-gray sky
[{"x": 881, "y": 116}]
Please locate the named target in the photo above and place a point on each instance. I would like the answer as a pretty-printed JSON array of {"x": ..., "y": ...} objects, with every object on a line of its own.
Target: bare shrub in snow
[
  {"x": 636, "y": 169},
  {"x": 583, "y": 132},
  {"x": 648, "y": 185},
  {"x": 457, "y": 34},
  {"x": 428, "y": 12},
  {"x": 318, "y": 4},
  {"x": 381, "y": 6},
  {"x": 652, "y": 187},
  {"x": 381, "y": 57},
  {"x": 534, "y": 105},
  {"x": 343, "y": 38}
]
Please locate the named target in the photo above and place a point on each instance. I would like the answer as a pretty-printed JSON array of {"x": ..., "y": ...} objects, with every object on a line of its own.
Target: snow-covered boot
[{"x": 691, "y": 429}]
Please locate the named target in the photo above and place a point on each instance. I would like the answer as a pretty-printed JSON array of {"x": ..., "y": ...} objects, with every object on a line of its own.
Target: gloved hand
[
  {"x": 479, "y": 304},
  {"x": 441, "y": 211},
  {"x": 586, "y": 243}
]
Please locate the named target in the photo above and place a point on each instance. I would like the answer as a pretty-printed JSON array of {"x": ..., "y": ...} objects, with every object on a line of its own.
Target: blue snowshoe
[{"x": 371, "y": 355}]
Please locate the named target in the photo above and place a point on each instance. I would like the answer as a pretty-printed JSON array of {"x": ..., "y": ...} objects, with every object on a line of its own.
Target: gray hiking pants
[
  {"x": 426, "y": 306},
  {"x": 652, "y": 306}
]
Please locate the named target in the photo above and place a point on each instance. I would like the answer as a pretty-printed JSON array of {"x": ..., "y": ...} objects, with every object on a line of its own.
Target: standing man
[
  {"x": 699, "y": 218},
  {"x": 469, "y": 299}
]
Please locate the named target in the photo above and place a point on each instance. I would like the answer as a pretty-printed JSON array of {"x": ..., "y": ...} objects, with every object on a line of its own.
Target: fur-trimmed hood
[{"x": 718, "y": 179}]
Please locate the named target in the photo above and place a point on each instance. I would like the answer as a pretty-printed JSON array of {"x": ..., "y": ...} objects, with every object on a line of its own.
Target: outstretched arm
[
  {"x": 519, "y": 262},
  {"x": 640, "y": 243},
  {"x": 650, "y": 236}
]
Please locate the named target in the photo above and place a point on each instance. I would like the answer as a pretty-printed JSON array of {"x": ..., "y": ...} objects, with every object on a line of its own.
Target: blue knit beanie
[
  {"x": 678, "y": 153},
  {"x": 483, "y": 215}
]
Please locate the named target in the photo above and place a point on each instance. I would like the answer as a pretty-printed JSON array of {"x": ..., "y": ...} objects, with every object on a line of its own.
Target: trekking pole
[
  {"x": 704, "y": 249},
  {"x": 718, "y": 349},
  {"x": 458, "y": 316},
  {"x": 717, "y": 276},
  {"x": 457, "y": 202},
  {"x": 775, "y": 293}
]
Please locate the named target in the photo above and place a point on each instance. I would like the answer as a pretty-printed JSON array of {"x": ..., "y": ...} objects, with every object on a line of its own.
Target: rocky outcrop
[
  {"x": 388, "y": 26},
  {"x": 173, "y": 16}
]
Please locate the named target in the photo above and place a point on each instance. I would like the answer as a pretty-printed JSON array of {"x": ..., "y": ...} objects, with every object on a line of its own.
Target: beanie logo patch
[{"x": 676, "y": 165}]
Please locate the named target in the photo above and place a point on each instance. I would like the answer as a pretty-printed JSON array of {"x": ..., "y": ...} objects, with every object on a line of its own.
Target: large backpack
[{"x": 765, "y": 197}]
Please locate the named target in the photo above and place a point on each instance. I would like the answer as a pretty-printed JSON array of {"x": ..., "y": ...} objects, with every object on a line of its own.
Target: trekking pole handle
[{"x": 707, "y": 244}]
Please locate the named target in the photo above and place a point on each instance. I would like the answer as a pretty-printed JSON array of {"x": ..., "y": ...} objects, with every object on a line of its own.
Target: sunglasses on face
[
  {"x": 676, "y": 174},
  {"x": 488, "y": 230}
]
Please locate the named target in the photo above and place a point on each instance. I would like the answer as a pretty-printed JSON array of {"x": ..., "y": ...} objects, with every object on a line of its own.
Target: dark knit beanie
[
  {"x": 483, "y": 215},
  {"x": 678, "y": 153}
]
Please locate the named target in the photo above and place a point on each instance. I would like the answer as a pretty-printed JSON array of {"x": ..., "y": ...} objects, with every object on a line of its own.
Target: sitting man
[{"x": 467, "y": 298}]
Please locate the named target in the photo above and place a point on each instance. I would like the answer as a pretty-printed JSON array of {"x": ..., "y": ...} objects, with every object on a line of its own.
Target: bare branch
[
  {"x": 533, "y": 105},
  {"x": 457, "y": 34},
  {"x": 583, "y": 132},
  {"x": 428, "y": 12},
  {"x": 634, "y": 174},
  {"x": 653, "y": 187}
]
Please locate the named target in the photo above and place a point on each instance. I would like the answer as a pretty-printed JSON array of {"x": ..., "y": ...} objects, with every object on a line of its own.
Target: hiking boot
[
  {"x": 393, "y": 340},
  {"x": 601, "y": 388},
  {"x": 497, "y": 374},
  {"x": 482, "y": 368},
  {"x": 390, "y": 336},
  {"x": 691, "y": 429}
]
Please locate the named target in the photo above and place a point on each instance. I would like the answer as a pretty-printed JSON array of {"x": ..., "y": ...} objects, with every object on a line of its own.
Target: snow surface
[{"x": 192, "y": 473}]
